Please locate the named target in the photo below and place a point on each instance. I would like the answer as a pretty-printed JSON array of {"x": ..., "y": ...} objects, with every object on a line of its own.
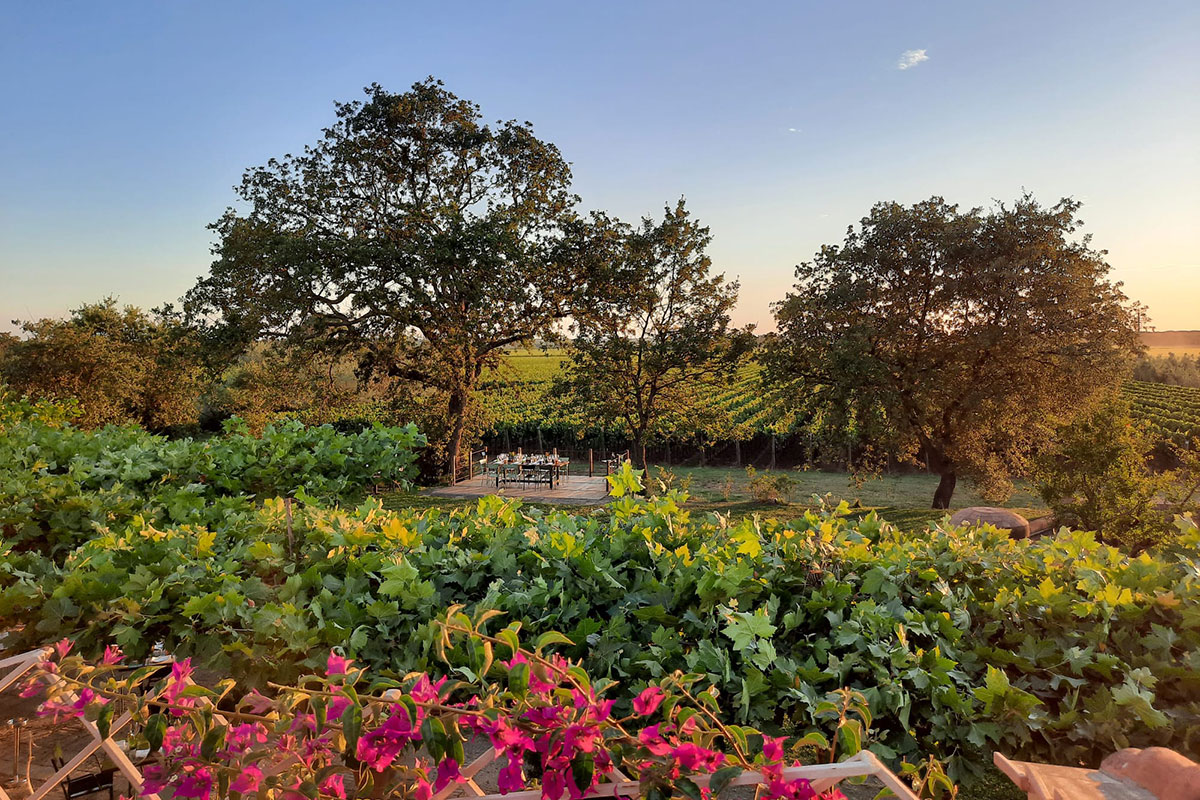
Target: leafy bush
[
  {"x": 59, "y": 486},
  {"x": 1096, "y": 474},
  {"x": 961, "y": 640},
  {"x": 770, "y": 487}
]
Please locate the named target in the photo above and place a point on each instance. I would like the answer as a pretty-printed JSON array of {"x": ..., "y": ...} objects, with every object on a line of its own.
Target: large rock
[{"x": 1016, "y": 525}]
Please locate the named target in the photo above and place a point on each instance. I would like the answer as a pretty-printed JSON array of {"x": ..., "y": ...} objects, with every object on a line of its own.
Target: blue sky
[{"x": 125, "y": 125}]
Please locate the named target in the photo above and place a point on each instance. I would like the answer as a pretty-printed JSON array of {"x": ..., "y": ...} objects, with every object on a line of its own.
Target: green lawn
[{"x": 902, "y": 500}]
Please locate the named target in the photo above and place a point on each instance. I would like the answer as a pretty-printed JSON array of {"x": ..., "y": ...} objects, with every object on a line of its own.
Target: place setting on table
[{"x": 522, "y": 468}]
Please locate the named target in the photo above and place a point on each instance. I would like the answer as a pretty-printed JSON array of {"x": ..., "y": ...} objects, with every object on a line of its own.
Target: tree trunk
[
  {"x": 943, "y": 467},
  {"x": 945, "y": 489},
  {"x": 639, "y": 451},
  {"x": 458, "y": 413}
]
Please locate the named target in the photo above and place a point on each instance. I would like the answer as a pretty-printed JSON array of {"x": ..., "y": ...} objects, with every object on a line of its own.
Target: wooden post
[
  {"x": 772, "y": 451},
  {"x": 737, "y": 451},
  {"x": 591, "y": 463}
]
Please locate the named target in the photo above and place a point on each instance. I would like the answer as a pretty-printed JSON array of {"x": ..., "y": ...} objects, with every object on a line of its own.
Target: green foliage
[
  {"x": 1096, "y": 475},
  {"x": 120, "y": 364},
  {"x": 1061, "y": 649},
  {"x": 954, "y": 338},
  {"x": 59, "y": 486},
  {"x": 16, "y": 408}
]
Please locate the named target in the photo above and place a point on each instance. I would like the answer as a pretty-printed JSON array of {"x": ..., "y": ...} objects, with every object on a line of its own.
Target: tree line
[{"x": 399, "y": 257}]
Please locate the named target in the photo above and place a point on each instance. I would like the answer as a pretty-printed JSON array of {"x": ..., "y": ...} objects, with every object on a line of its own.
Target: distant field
[{"x": 1179, "y": 350}]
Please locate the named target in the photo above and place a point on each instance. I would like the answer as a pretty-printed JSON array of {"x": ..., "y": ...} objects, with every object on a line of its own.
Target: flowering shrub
[{"x": 342, "y": 735}]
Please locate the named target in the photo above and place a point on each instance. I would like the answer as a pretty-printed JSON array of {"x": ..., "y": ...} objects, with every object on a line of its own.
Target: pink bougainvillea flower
[
  {"x": 798, "y": 789},
  {"x": 173, "y": 737},
  {"x": 648, "y": 701},
  {"x": 423, "y": 790},
  {"x": 240, "y": 738},
  {"x": 152, "y": 779},
  {"x": 580, "y": 737},
  {"x": 247, "y": 782},
  {"x": 379, "y": 748},
  {"x": 335, "y": 786},
  {"x": 337, "y": 707},
  {"x": 62, "y": 647},
  {"x": 653, "y": 741},
  {"x": 447, "y": 773},
  {"x": 112, "y": 655},
  {"x": 425, "y": 691},
  {"x": 31, "y": 688},
  {"x": 256, "y": 703},
  {"x": 181, "y": 672},
  {"x": 511, "y": 779},
  {"x": 694, "y": 758},
  {"x": 554, "y": 778},
  {"x": 337, "y": 665},
  {"x": 773, "y": 748},
  {"x": 195, "y": 784}
]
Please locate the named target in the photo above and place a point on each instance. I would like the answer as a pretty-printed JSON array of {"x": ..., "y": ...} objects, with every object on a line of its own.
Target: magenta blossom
[
  {"x": 248, "y": 782},
  {"x": 447, "y": 773},
  {"x": 648, "y": 701},
  {"x": 112, "y": 655},
  {"x": 195, "y": 784},
  {"x": 653, "y": 741},
  {"x": 379, "y": 748},
  {"x": 335, "y": 786},
  {"x": 337, "y": 665},
  {"x": 425, "y": 691}
]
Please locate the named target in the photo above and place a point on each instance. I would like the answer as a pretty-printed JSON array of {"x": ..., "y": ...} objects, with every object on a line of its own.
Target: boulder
[{"x": 1016, "y": 525}]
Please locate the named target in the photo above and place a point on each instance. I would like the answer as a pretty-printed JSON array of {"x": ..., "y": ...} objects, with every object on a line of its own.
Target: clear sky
[{"x": 125, "y": 125}]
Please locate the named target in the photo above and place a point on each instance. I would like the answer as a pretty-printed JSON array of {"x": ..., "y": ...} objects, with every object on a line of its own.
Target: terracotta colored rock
[
  {"x": 1014, "y": 523},
  {"x": 1164, "y": 773}
]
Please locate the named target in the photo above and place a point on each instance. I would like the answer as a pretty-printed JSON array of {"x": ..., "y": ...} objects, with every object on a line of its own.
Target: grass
[{"x": 902, "y": 500}]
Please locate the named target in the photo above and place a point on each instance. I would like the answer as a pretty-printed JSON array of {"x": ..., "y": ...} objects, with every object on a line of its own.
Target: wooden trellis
[
  {"x": 822, "y": 776},
  {"x": 21, "y": 665}
]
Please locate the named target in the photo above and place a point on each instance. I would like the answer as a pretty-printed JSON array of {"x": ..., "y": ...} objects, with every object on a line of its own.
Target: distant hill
[{"x": 1171, "y": 338}]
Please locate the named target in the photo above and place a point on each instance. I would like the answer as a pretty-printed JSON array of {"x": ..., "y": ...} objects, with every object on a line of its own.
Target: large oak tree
[
  {"x": 412, "y": 235},
  {"x": 956, "y": 338}
]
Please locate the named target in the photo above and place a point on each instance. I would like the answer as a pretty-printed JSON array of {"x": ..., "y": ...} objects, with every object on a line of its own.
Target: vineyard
[
  {"x": 1171, "y": 412},
  {"x": 739, "y": 408},
  {"x": 519, "y": 400}
]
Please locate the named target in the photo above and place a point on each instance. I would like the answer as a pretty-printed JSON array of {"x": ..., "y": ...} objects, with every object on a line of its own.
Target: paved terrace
[{"x": 571, "y": 490}]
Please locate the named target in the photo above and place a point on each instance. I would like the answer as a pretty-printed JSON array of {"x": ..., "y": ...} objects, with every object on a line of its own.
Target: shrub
[
  {"x": 770, "y": 487},
  {"x": 961, "y": 640},
  {"x": 1096, "y": 475}
]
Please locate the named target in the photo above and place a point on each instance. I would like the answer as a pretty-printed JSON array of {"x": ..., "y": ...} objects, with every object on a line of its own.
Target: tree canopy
[
  {"x": 954, "y": 338},
  {"x": 412, "y": 234},
  {"x": 121, "y": 364},
  {"x": 645, "y": 349}
]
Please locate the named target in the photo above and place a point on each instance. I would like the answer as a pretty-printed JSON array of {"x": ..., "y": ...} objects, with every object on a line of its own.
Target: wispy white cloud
[
  {"x": 910, "y": 58},
  {"x": 794, "y": 130}
]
